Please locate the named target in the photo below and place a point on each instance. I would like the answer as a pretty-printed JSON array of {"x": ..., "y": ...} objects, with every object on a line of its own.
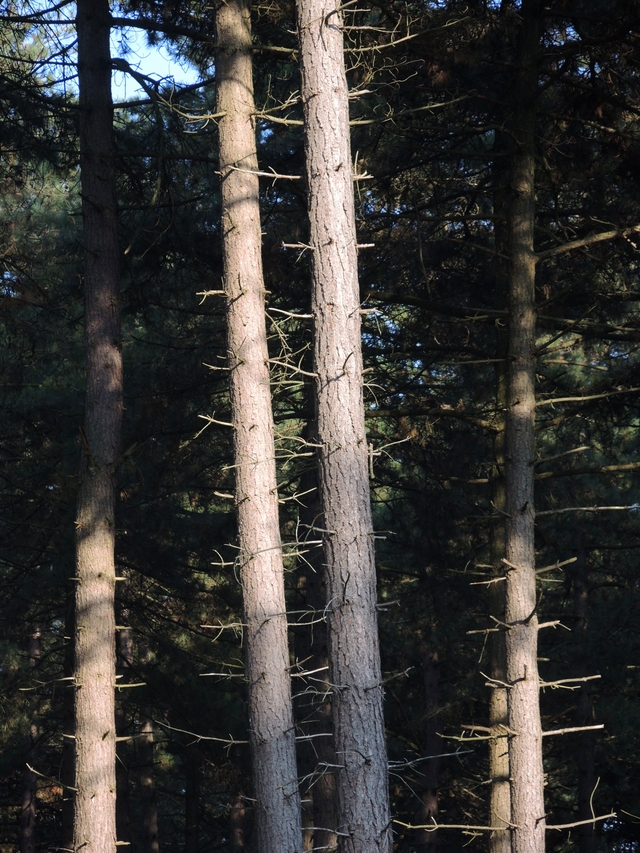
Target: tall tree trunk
[
  {"x": 499, "y": 792},
  {"x": 525, "y": 742},
  {"x": 317, "y": 757},
  {"x": 95, "y": 807},
  {"x": 427, "y": 840},
  {"x": 29, "y": 810},
  {"x": 354, "y": 653},
  {"x": 237, "y": 821},
  {"x": 67, "y": 769},
  {"x": 260, "y": 561},
  {"x": 586, "y": 745}
]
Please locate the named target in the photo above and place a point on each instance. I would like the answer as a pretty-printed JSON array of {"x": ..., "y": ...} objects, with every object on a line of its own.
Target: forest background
[{"x": 432, "y": 93}]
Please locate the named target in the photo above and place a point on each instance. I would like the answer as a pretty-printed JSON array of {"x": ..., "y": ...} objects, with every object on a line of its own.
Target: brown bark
[
  {"x": 237, "y": 821},
  {"x": 586, "y": 741},
  {"x": 427, "y": 840},
  {"x": 525, "y": 744},
  {"x": 272, "y": 734},
  {"x": 95, "y": 806},
  {"x": 354, "y": 654},
  {"x": 67, "y": 770},
  {"x": 499, "y": 792}
]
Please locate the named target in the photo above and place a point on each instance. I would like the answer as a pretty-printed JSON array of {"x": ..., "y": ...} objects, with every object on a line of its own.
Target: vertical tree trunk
[
  {"x": 525, "y": 744},
  {"x": 95, "y": 806},
  {"x": 354, "y": 654},
  {"x": 499, "y": 792},
  {"x": 317, "y": 757},
  {"x": 586, "y": 745},
  {"x": 67, "y": 770},
  {"x": 260, "y": 562},
  {"x": 237, "y": 820},
  {"x": 29, "y": 809},
  {"x": 427, "y": 840}
]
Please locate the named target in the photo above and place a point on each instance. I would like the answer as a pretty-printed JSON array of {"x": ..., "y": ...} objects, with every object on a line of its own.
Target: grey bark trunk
[
  {"x": 272, "y": 734},
  {"x": 427, "y": 840},
  {"x": 317, "y": 757},
  {"x": 525, "y": 744},
  {"x": 354, "y": 654},
  {"x": 95, "y": 806}
]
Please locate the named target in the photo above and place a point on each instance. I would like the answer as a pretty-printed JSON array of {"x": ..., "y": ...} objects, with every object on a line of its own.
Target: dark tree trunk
[
  {"x": 95, "y": 806},
  {"x": 29, "y": 809},
  {"x": 192, "y": 802},
  {"x": 272, "y": 733},
  {"x": 354, "y": 653},
  {"x": 525, "y": 741}
]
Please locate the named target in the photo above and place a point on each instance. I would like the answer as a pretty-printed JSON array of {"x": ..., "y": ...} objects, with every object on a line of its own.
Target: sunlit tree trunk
[
  {"x": 525, "y": 742},
  {"x": 260, "y": 563},
  {"x": 95, "y": 806},
  {"x": 354, "y": 654},
  {"x": 124, "y": 645}
]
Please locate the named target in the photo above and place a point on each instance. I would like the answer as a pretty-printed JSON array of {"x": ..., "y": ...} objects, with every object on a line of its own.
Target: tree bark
[
  {"x": 499, "y": 792},
  {"x": 354, "y": 653},
  {"x": 525, "y": 742},
  {"x": 272, "y": 734},
  {"x": 427, "y": 840},
  {"x": 95, "y": 806},
  {"x": 317, "y": 757}
]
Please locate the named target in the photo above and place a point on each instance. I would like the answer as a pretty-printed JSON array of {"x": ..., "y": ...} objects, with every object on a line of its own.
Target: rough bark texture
[
  {"x": 237, "y": 821},
  {"x": 95, "y": 807},
  {"x": 525, "y": 744},
  {"x": 499, "y": 792},
  {"x": 427, "y": 840},
  {"x": 317, "y": 757},
  {"x": 362, "y": 787},
  {"x": 67, "y": 769},
  {"x": 272, "y": 734},
  {"x": 586, "y": 741}
]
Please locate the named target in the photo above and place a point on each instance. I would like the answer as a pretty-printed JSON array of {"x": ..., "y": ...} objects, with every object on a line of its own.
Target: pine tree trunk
[
  {"x": 272, "y": 733},
  {"x": 499, "y": 793},
  {"x": 525, "y": 744},
  {"x": 67, "y": 769},
  {"x": 95, "y": 806},
  {"x": 149, "y": 806},
  {"x": 354, "y": 654},
  {"x": 427, "y": 840},
  {"x": 317, "y": 757}
]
